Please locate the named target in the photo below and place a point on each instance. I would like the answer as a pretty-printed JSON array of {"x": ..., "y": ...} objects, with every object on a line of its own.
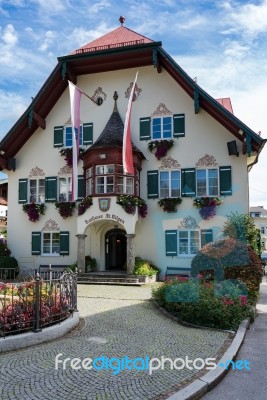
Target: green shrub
[
  {"x": 144, "y": 267},
  {"x": 193, "y": 301},
  {"x": 4, "y": 250},
  {"x": 230, "y": 259},
  {"x": 7, "y": 262},
  {"x": 90, "y": 263}
]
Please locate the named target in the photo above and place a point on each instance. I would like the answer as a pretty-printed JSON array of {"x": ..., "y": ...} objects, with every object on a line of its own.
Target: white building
[{"x": 211, "y": 156}]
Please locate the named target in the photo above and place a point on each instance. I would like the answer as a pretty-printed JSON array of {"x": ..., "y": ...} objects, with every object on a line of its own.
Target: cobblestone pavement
[{"x": 117, "y": 321}]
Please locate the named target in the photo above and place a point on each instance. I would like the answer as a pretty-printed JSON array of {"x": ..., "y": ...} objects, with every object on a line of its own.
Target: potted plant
[
  {"x": 169, "y": 204},
  {"x": 161, "y": 147},
  {"x": 84, "y": 204},
  {"x": 33, "y": 210},
  {"x": 67, "y": 154},
  {"x": 129, "y": 204},
  {"x": 207, "y": 206},
  {"x": 65, "y": 208},
  {"x": 90, "y": 264}
]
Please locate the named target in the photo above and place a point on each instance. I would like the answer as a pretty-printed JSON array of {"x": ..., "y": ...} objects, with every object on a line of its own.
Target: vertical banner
[
  {"x": 127, "y": 151},
  {"x": 75, "y": 99}
]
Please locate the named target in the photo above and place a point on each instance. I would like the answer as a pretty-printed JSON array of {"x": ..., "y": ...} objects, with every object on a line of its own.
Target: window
[
  {"x": 188, "y": 242},
  {"x": 170, "y": 183},
  {"x": 207, "y": 182},
  {"x": 263, "y": 229},
  {"x": 105, "y": 182},
  {"x": 166, "y": 127},
  {"x": 89, "y": 181},
  {"x": 63, "y": 135},
  {"x": 65, "y": 189},
  {"x": 68, "y": 136},
  {"x": 162, "y": 128},
  {"x": 37, "y": 190},
  {"x": 125, "y": 184},
  {"x": 50, "y": 243}
]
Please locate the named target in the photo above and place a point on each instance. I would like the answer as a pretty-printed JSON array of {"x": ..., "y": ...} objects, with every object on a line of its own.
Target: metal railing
[{"x": 35, "y": 304}]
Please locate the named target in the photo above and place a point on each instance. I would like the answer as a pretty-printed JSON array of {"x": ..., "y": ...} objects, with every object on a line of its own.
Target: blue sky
[{"x": 222, "y": 43}]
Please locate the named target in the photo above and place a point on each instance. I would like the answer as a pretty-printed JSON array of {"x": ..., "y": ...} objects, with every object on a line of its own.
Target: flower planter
[
  {"x": 207, "y": 212},
  {"x": 147, "y": 278},
  {"x": 34, "y": 211},
  {"x": 65, "y": 208},
  {"x": 170, "y": 204},
  {"x": 129, "y": 203},
  {"x": 160, "y": 147}
]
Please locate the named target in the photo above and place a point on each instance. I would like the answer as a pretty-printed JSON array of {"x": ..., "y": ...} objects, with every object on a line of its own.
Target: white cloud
[
  {"x": 48, "y": 41},
  {"x": 12, "y": 106},
  {"x": 97, "y": 7},
  {"x": 52, "y": 6},
  {"x": 248, "y": 19},
  {"x": 9, "y": 36},
  {"x": 80, "y": 36}
]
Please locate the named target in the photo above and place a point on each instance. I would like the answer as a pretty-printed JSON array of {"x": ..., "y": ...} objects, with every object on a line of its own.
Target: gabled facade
[{"x": 209, "y": 153}]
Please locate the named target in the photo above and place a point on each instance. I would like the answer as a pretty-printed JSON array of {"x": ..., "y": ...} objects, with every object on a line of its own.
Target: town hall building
[{"x": 191, "y": 160}]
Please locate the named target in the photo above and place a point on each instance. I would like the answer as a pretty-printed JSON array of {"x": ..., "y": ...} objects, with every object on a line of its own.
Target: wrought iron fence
[
  {"x": 8, "y": 274},
  {"x": 33, "y": 305}
]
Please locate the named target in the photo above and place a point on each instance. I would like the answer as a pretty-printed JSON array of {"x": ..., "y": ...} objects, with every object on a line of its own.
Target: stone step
[
  {"x": 107, "y": 279},
  {"x": 94, "y": 282}
]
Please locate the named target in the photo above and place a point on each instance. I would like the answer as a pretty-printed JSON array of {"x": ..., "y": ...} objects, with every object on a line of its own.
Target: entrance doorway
[{"x": 116, "y": 249}]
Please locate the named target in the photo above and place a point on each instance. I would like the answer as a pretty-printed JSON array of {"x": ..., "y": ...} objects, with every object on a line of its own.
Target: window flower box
[
  {"x": 65, "y": 208},
  {"x": 160, "y": 147},
  {"x": 129, "y": 204},
  {"x": 84, "y": 204},
  {"x": 207, "y": 206},
  {"x": 169, "y": 204},
  {"x": 67, "y": 154},
  {"x": 33, "y": 210}
]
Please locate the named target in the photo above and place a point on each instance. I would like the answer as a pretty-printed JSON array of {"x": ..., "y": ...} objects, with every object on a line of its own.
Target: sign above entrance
[
  {"x": 107, "y": 216},
  {"x": 104, "y": 204}
]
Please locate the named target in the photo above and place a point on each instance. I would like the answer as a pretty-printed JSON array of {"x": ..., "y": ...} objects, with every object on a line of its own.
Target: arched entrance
[{"x": 116, "y": 249}]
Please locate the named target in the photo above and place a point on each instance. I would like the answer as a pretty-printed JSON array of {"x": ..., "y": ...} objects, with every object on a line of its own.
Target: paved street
[
  {"x": 244, "y": 384},
  {"x": 117, "y": 321}
]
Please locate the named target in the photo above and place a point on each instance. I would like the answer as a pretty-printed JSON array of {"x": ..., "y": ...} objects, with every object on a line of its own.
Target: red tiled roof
[
  {"x": 226, "y": 103},
  {"x": 119, "y": 37}
]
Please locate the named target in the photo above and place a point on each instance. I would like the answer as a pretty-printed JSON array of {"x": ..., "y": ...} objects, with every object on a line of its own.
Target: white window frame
[
  {"x": 161, "y": 118},
  {"x": 189, "y": 238},
  {"x": 69, "y": 129},
  {"x": 207, "y": 185},
  {"x": 68, "y": 191},
  {"x": 54, "y": 254},
  {"x": 169, "y": 183},
  {"x": 37, "y": 180}
]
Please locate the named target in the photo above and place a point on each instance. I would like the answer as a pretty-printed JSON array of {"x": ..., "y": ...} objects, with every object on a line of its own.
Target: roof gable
[
  {"x": 119, "y": 37},
  {"x": 103, "y": 58}
]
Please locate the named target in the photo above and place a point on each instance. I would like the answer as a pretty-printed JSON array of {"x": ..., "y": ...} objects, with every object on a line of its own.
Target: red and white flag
[
  {"x": 127, "y": 151},
  {"x": 75, "y": 100}
]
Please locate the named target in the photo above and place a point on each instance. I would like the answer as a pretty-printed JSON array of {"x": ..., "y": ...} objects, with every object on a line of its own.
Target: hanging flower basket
[
  {"x": 169, "y": 204},
  {"x": 207, "y": 206},
  {"x": 67, "y": 154},
  {"x": 33, "y": 210},
  {"x": 129, "y": 204},
  {"x": 65, "y": 208},
  {"x": 160, "y": 147},
  {"x": 85, "y": 203}
]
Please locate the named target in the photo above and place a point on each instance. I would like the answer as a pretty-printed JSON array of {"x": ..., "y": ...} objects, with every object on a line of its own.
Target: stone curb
[
  {"x": 204, "y": 384},
  {"x": 23, "y": 340}
]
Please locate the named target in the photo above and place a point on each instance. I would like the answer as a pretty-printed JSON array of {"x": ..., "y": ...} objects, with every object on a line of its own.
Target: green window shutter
[
  {"x": 188, "y": 182},
  {"x": 178, "y": 125},
  {"x": 64, "y": 243},
  {"x": 58, "y": 136},
  {"x": 51, "y": 189},
  {"x": 80, "y": 187},
  {"x": 23, "y": 191},
  {"x": 36, "y": 243},
  {"x": 171, "y": 243},
  {"x": 226, "y": 181},
  {"x": 206, "y": 236},
  {"x": 87, "y": 134},
  {"x": 145, "y": 132},
  {"x": 152, "y": 184}
]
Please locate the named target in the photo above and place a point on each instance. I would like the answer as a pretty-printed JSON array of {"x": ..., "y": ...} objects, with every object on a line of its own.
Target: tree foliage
[{"x": 242, "y": 227}]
